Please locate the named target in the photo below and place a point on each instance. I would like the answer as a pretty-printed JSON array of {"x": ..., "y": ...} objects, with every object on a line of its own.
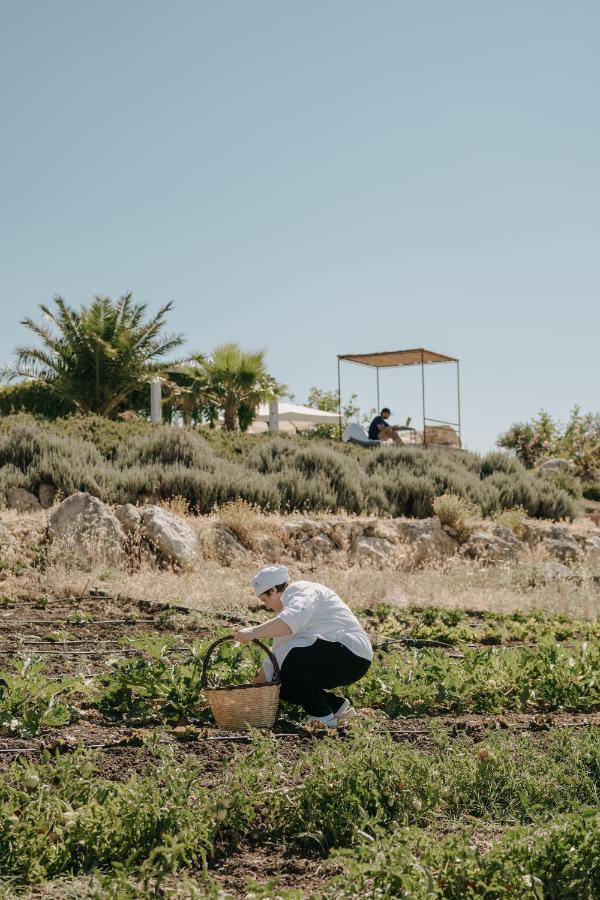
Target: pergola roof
[{"x": 414, "y": 357}]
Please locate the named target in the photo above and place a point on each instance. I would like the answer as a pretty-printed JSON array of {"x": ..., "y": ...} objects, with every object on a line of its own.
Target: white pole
[
  {"x": 155, "y": 401},
  {"x": 274, "y": 414}
]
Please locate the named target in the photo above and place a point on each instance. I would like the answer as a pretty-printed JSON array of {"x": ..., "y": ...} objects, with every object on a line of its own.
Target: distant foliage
[
  {"x": 135, "y": 462},
  {"x": 95, "y": 357},
  {"x": 33, "y": 397},
  {"x": 578, "y": 440}
]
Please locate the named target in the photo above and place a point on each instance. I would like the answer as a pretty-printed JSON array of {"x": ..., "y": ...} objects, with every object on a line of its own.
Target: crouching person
[{"x": 318, "y": 642}]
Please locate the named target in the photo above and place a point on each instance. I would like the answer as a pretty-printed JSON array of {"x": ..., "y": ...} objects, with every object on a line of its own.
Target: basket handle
[{"x": 229, "y": 637}]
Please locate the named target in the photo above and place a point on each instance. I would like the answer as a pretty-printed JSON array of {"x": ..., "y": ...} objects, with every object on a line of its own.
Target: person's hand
[{"x": 244, "y": 635}]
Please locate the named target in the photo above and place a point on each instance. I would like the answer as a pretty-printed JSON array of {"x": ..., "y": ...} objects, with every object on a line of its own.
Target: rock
[
  {"x": 344, "y": 533},
  {"x": 556, "y": 465},
  {"x": 551, "y": 570},
  {"x": 310, "y": 527},
  {"x": 129, "y": 516},
  {"x": 322, "y": 544},
  {"x": 426, "y": 539},
  {"x": 375, "y": 549},
  {"x": 496, "y": 544},
  {"x": 88, "y": 524},
  {"x": 565, "y": 551},
  {"x": 293, "y": 531},
  {"x": 269, "y": 546},
  {"x": 46, "y": 495},
  {"x": 590, "y": 546},
  {"x": 170, "y": 535},
  {"x": 381, "y": 528},
  {"x": 7, "y": 538},
  {"x": 21, "y": 500},
  {"x": 228, "y": 547}
]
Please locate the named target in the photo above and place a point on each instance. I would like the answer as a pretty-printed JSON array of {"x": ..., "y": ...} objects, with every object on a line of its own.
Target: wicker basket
[{"x": 243, "y": 706}]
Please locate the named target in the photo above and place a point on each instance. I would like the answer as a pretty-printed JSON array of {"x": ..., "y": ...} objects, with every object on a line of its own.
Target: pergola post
[
  {"x": 378, "y": 400},
  {"x": 458, "y": 399},
  {"x": 423, "y": 397},
  {"x": 340, "y": 398}
]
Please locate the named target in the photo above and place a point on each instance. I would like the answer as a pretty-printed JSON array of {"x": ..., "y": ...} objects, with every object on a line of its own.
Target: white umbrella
[{"x": 292, "y": 417}]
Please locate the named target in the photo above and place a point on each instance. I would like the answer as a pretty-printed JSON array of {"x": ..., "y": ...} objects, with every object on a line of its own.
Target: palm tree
[
  {"x": 232, "y": 381},
  {"x": 97, "y": 356}
]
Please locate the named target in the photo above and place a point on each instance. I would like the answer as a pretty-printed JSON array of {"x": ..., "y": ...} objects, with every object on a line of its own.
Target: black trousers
[{"x": 307, "y": 671}]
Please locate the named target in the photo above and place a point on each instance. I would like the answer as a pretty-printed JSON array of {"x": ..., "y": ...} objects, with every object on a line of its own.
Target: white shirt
[{"x": 314, "y": 611}]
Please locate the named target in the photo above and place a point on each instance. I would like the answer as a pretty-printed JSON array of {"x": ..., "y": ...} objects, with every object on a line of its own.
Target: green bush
[
  {"x": 129, "y": 461},
  {"x": 35, "y": 398},
  {"x": 167, "y": 446}
]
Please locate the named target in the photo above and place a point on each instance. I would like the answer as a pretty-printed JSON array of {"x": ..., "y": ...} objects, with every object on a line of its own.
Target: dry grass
[
  {"x": 462, "y": 584},
  {"x": 213, "y": 588}
]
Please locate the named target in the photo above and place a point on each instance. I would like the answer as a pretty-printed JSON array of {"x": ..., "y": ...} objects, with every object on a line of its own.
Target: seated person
[{"x": 379, "y": 430}]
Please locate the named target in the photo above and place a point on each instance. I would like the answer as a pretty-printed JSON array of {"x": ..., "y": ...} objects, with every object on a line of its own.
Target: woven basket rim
[{"x": 243, "y": 687}]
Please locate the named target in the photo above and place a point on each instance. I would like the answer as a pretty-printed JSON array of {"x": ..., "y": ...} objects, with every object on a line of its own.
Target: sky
[{"x": 318, "y": 178}]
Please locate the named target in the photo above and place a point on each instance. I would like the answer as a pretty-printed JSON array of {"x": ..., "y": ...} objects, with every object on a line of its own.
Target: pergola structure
[{"x": 393, "y": 358}]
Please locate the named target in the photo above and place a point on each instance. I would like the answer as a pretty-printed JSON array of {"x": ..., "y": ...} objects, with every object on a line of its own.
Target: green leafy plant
[
  {"x": 559, "y": 860},
  {"x": 429, "y": 681},
  {"x": 30, "y": 701}
]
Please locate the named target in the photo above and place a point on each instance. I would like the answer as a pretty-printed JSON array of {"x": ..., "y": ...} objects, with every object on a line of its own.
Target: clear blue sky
[{"x": 318, "y": 178}]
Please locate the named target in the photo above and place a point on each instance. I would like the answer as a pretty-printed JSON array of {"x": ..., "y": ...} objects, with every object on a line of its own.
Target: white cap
[{"x": 270, "y": 577}]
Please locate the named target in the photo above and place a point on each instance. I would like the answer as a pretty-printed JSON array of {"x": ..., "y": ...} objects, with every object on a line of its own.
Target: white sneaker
[
  {"x": 345, "y": 712},
  {"x": 329, "y": 721}
]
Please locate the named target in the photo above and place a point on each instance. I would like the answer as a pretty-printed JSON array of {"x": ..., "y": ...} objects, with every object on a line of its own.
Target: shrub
[
  {"x": 514, "y": 518},
  {"x": 35, "y": 398},
  {"x": 167, "y": 446},
  {"x": 455, "y": 515},
  {"x": 142, "y": 460},
  {"x": 107, "y": 435},
  {"x": 240, "y": 517},
  {"x": 591, "y": 490}
]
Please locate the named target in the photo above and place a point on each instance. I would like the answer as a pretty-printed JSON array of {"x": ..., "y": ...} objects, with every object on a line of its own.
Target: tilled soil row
[{"x": 123, "y": 749}]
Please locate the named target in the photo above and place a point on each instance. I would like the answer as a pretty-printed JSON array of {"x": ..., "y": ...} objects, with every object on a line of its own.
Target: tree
[
  {"x": 98, "y": 356},
  {"x": 230, "y": 381},
  {"x": 531, "y": 441},
  {"x": 578, "y": 440},
  {"x": 329, "y": 402}
]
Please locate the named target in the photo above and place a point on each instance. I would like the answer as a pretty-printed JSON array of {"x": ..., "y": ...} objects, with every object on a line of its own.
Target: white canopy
[{"x": 292, "y": 417}]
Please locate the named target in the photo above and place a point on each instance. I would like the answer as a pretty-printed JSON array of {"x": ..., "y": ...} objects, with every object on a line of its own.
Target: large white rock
[
  {"x": 84, "y": 522},
  {"x": 170, "y": 535},
  {"x": 375, "y": 550}
]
